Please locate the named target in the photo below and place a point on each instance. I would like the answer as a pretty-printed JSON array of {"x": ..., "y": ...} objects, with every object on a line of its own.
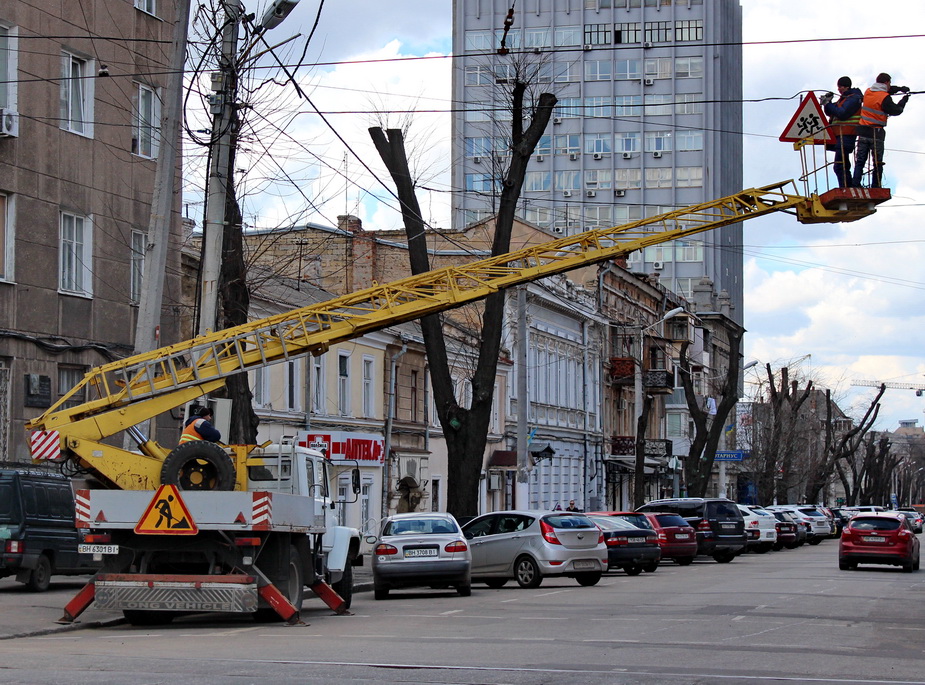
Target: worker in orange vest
[
  {"x": 877, "y": 106},
  {"x": 199, "y": 427}
]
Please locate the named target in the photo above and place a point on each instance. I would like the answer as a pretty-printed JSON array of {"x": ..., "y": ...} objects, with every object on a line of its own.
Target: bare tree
[{"x": 466, "y": 430}]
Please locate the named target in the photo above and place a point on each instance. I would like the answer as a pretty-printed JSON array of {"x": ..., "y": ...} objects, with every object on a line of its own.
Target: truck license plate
[
  {"x": 420, "y": 553},
  {"x": 98, "y": 549}
]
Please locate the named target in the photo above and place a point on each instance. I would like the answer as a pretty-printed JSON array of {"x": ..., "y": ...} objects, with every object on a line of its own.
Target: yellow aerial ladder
[{"x": 133, "y": 390}]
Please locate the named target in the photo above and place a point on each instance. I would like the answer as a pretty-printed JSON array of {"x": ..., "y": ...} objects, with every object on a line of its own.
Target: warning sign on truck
[{"x": 166, "y": 515}]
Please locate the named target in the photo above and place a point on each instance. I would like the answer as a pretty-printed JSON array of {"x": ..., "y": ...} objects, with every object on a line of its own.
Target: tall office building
[{"x": 649, "y": 119}]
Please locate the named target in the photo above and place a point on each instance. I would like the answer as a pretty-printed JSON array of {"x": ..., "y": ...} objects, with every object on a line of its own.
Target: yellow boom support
[{"x": 135, "y": 389}]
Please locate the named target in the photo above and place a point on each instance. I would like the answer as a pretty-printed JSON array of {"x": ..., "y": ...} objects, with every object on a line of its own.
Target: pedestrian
[
  {"x": 199, "y": 427},
  {"x": 844, "y": 115},
  {"x": 571, "y": 506},
  {"x": 875, "y": 109}
]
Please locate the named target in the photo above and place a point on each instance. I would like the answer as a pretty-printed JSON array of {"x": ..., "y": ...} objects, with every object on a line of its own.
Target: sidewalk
[{"x": 24, "y": 613}]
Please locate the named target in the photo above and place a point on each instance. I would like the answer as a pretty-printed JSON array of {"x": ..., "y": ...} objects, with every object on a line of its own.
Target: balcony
[
  {"x": 658, "y": 382},
  {"x": 622, "y": 370},
  {"x": 625, "y": 445}
]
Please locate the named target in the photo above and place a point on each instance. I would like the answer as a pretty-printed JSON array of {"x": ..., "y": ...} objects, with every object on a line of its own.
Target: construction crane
[
  {"x": 133, "y": 390},
  {"x": 918, "y": 387}
]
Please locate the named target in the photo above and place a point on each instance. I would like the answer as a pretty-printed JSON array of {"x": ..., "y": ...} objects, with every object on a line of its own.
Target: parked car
[
  {"x": 915, "y": 519},
  {"x": 842, "y": 516},
  {"x": 879, "y": 538},
  {"x": 419, "y": 550},
  {"x": 790, "y": 534},
  {"x": 633, "y": 549},
  {"x": 676, "y": 537},
  {"x": 528, "y": 546},
  {"x": 38, "y": 537},
  {"x": 634, "y": 518},
  {"x": 760, "y": 527},
  {"x": 718, "y": 523},
  {"x": 818, "y": 526}
]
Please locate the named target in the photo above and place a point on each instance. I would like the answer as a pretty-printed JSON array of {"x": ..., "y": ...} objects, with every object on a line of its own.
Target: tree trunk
[{"x": 642, "y": 423}]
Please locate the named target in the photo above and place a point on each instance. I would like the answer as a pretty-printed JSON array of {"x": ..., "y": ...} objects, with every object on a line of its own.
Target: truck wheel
[
  {"x": 344, "y": 586},
  {"x": 40, "y": 578},
  {"x": 198, "y": 465}
]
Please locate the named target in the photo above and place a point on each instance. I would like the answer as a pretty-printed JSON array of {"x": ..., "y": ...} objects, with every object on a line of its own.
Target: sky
[{"x": 835, "y": 302}]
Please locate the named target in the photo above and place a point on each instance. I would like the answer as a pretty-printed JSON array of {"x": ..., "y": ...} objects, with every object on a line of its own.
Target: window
[
  {"x": 342, "y": 486},
  {"x": 658, "y": 67},
  {"x": 343, "y": 383},
  {"x": 477, "y": 112},
  {"x": 479, "y": 75},
  {"x": 6, "y": 237},
  {"x": 146, "y": 6},
  {"x": 76, "y": 94},
  {"x": 479, "y": 40},
  {"x": 600, "y": 143},
  {"x": 630, "y": 32},
  {"x": 688, "y": 29},
  {"x": 146, "y": 140},
  {"x": 478, "y": 147},
  {"x": 568, "y": 180},
  {"x": 599, "y": 178},
  {"x": 414, "y": 394},
  {"x": 689, "y": 177},
  {"x": 658, "y": 141},
  {"x": 365, "y": 491},
  {"x": 68, "y": 377},
  {"x": 628, "y": 178},
  {"x": 8, "y": 67},
  {"x": 689, "y": 140},
  {"x": 627, "y": 105},
  {"x": 566, "y": 72},
  {"x": 75, "y": 273},
  {"x": 599, "y": 216},
  {"x": 481, "y": 183},
  {"x": 139, "y": 238},
  {"x": 505, "y": 73},
  {"x": 568, "y": 108},
  {"x": 544, "y": 146},
  {"x": 368, "y": 387},
  {"x": 539, "y": 216},
  {"x": 293, "y": 398},
  {"x": 658, "y": 31},
  {"x": 567, "y": 144},
  {"x": 473, "y": 216},
  {"x": 626, "y": 142},
  {"x": 674, "y": 427},
  {"x": 567, "y": 35},
  {"x": 598, "y": 70},
  {"x": 658, "y": 105},
  {"x": 628, "y": 69},
  {"x": 689, "y": 250},
  {"x": 537, "y": 38},
  {"x": 659, "y": 253},
  {"x": 688, "y": 67},
  {"x": 598, "y": 106},
  {"x": 623, "y": 214},
  {"x": 537, "y": 181},
  {"x": 658, "y": 178},
  {"x": 260, "y": 390},
  {"x": 689, "y": 103},
  {"x": 318, "y": 385},
  {"x": 597, "y": 34}
]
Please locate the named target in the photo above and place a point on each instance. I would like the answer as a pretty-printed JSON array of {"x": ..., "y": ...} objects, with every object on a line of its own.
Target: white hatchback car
[{"x": 760, "y": 526}]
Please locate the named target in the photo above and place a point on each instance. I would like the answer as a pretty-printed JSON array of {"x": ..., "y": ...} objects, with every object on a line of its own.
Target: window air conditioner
[
  {"x": 591, "y": 193},
  {"x": 619, "y": 193},
  {"x": 657, "y": 154},
  {"x": 627, "y": 155},
  {"x": 573, "y": 156},
  {"x": 494, "y": 481},
  {"x": 649, "y": 81},
  {"x": 9, "y": 123},
  {"x": 476, "y": 160},
  {"x": 648, "y": 44},
  {"x": 658, "y": 266},
  {"x": 566, "y": 193},
  {"x": 558, "y": 229},
  {"x": 557, "y": 120},
  {"x": 598, "y": 155},
  {"x": 540, "y": 158},
  {"x": 587, "y": 46}
]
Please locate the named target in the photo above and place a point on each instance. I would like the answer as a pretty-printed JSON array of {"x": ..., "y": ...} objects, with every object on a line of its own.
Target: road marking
[
  {"x": 545, "y": 618},
  {"x": 554, "y": 592},
  {"x": 738, "y": 618},
  {"x": 452, "y": 611}
]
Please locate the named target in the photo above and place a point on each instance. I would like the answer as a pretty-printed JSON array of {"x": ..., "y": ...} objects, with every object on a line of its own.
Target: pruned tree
[{"x": 466, "y": 430}]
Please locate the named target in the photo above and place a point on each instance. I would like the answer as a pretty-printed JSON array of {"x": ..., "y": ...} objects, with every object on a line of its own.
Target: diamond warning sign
[
  {"x": 808, "y": 125},
  {"x": 166, "y": 515}
]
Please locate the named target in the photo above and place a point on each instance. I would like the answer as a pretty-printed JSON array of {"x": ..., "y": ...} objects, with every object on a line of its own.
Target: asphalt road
[{"x": 789, "y": 616}]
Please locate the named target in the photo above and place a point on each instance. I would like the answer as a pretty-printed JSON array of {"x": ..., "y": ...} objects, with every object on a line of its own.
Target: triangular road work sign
[
  {"x": 166, "y": 515},
  {"x": 809, "y": 124}
]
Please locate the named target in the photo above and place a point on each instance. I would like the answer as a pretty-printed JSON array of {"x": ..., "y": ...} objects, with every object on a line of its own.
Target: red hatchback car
[
  {"x": 676, "y": 537},
  {"x": 877, "y": 538}
]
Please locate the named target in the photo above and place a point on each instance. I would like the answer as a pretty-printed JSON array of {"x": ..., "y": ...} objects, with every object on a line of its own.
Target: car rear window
[
  {"x": 670, "y": 520},
  {"x": 638, "y": 520},
  {"x": 863, "y": 523},
  {"x": 723, "y": 511},
  {"x": 7, "y": 510},
  {"x": 428, "y": 526},
  {"x": 570, "y": 521}
]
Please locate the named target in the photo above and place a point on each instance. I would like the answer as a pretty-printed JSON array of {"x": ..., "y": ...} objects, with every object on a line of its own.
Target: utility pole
[
  {"x": 224, "y": 83},
  {"x": 522, "y": 491}
]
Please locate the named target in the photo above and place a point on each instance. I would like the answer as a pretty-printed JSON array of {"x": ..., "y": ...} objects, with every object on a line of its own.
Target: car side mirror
[{"x": 355, "y": 481}]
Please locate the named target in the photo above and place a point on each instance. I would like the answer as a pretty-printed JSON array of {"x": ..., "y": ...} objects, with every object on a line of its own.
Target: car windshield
[
  {"x": 724, "y": 511},
  {"x": 568, "y": 521},
  {"x": 808, "y": 511},
  {"x": 607, "y": 522},
  {"x": 421, "y": 526},
  {"x": 670, "y": 520},
  {"x": 759, "y": 511},
  {"x": 885, "y": 524},
  {"x": 782, "y": 516}
]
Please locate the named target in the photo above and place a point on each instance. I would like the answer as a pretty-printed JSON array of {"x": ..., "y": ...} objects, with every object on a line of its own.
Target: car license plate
[
  {"x": 586, "y": 565},
  {"x": 873, "y": 538},
  {"x": 728, "y": 526},
  {"x": 420, "y": 553},
  {"x": 681, "y": 536},
  {"x": 635, "y": 541},
  {"x": 98, "y": 549}
]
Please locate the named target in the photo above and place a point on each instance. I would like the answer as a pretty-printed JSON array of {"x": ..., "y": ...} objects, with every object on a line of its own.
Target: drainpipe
[{"x": 386, "y": 467}]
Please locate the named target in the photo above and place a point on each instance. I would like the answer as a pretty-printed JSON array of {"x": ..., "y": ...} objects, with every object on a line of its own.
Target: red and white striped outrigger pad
[{"x": 45, "y": 446}]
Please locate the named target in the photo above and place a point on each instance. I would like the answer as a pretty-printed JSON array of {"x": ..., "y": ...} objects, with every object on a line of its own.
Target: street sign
[
  {"x": 730, "y": 455},
  {"x": 808, "y": 124},
  {"x": 166, "y": 515}
]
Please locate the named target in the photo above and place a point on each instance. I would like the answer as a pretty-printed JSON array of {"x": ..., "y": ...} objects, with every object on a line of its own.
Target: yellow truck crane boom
[{"x": 135, "y": 389}]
